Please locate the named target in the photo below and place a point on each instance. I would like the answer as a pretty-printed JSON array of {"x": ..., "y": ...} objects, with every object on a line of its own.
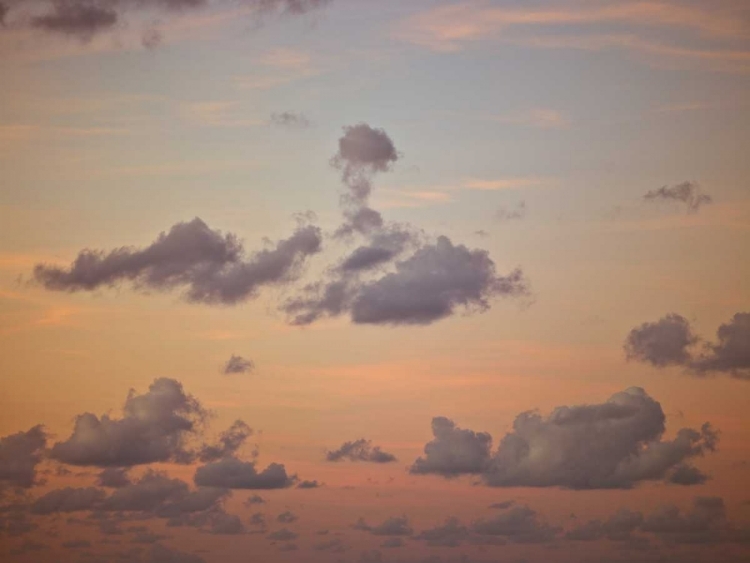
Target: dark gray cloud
[
  {"x": 731, "y": 353},
  {"x": 76, "y": 18},
  {"x": 670, "y": 341},
  {"x": 210, "y": 267},
  {"x": 450, "y": 534},
  {"x": 687, "y": 192},
  {"x": 504, "y": 214},
  {"x": 290, "y": 119},
  {"x": 283, "y": 535},
  {"x": 520, "y": 524},
  {"x": 231, "y": 440},
  {"x": 432, "y": 284},
  {"x": 309, "y": 484},
  {"x": 85, "y": 18},
  {"x": 20, "y": 454},
  {"x": 382, "y": 247},
  {"x": 393, "y": 526},
  {"x": 113, "y": 477},
  {"x": 155, "y": 426},
  {"x": 616, "y": 444},
  {"x": 618, "y": 527},
  {"x": 360, "y": 450},
  {"x": 454, "y": 451},
  {"x": 685, "y": 474},
  {"x": 254, "y": 499},
  {"x": 661, "y": 343},
  {"x": 232, "y": 473},
  {"x": 238, "y": 364},
  {"x": 68, "y": 499}
]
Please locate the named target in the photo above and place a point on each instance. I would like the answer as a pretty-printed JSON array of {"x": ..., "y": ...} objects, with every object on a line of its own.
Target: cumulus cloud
[
  {"x": 76, "y": 18},
  {"x": 360, "y": 450},
  {"x": 661, "y": 343},
  {"x": 432, "y": 284},
  {"x": 450, "y": 534},
  {"x": 618, "y": 527},
  {"x": 613, "y": 445},
  {"x": 291, "y": 120},
  {"x": 232, "y": 473},
  {"x": 68, "y": 499},
  {"x": 287, "y": 517},
  {"x": 309, "y": 484},
  {"x": 668, "y": 341},
  {"x": 211, "y": 268},
  {"x": 520, "y": 524},
  {"x": 113, "y": 477},
  {"x": 454, "y": 451},
  {"x": 20, "y": 454},
  {"x": 687, "y": 192},
  {"x": 155, "y": 426}
]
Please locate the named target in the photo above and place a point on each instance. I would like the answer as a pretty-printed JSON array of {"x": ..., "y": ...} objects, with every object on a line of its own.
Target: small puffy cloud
[
  {"x": 454, "y": 451},
  {"x": 290, "y": 120},
  {"x": 616, "y": 444},
  {"x": 155, "y": 426},
  {"x": 254, "y": 499},
  {"x": 232, "y": 473},
  {"x": 238, "y": 364},
  {"x": 360, "y": 450},
  {"x": 687, "y": 192},
  {"x": 306, "y": 484},
  {"x": 669, "y": 341},
  {"x": 20, "y": 454},
  {"x": 212, "y": 268},
  {"x": 334, "y": 545},
  {"x": 364, "y": 150},
  {"x": 661, "y": 343}
]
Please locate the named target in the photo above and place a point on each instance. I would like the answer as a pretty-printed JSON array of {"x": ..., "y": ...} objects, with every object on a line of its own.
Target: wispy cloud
[
  {"x": 216, "y": 114},
  {"x": 278, "y": 67},
  {"x": 504, "y": 183}
]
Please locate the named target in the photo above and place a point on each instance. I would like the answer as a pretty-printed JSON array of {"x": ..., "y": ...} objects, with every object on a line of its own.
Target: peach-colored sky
[{"x": 338, "y": 220}]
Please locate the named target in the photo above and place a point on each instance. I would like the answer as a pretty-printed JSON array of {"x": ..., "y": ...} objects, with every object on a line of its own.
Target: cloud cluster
[
  {"x": 211, "y": 267},
  {"x": 687, "y": 192},
  {"x": 670, "y": 341},
  {"x": 393, "y": 526},
  {"x": 233, "y": 473},
  {"x": 616, "y": 444},
  {"x": 360, "y": 450}
]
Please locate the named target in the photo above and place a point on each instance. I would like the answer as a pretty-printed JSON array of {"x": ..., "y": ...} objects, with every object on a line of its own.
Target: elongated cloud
[
  {"x": 232, "y": 473},
  {"x": 211, "y": 267},
  {"x": 686, "y": 192},
  {"x": 20, "y": 454},
  {"x": 670, "y": 341},
  {"x": 360, "y": 450},
  {"x": 613, "y": 445}
]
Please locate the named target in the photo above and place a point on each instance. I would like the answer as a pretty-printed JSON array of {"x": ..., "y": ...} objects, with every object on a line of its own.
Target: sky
[{"x": 372, "y": 281}]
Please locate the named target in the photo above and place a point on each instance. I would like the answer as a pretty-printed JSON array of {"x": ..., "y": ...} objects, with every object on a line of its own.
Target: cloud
[
  {"x": 393, "y": 526},
  {"x": 73, "y": 18},
  {"x": 360, "y": 450},
  {"x": 432, "y": 284},
  {"x": 686, "y": 192},
  {"x": 309, "y": 484},
  {"x": 229, "y": 442},
  {"x": 290, "y": 120},
  {"x": 155, "y": 426},
  {"x": 283, "y": 535},
  {"x": 68, "y": 500},
  {"x": 254, "y": 499},
  {"x": 238, "y": 364},
  {"x": 20, "y": 454},
  {"x": 661, "y": 343},
  {"x": 450, "y": 534},
  {"x": 114, "y": 477},
  {"x": 520, "y": 524},
  {"x": 613, "y": 445},
  {"x": 287, "y": 517},
  {"x": 618, "y": 527},
  {"x": 232, "y": 473},
  {"x": 209, "y": 265},
  {"x": 454, "y": 451},
  {"x": 668, "y": 342}
]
